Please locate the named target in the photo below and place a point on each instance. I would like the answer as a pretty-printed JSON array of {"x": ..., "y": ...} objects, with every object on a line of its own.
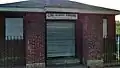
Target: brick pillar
[
  {"x": 2, "y": 38},
  {"x": 79, "y": 39},
  {"x": 92, "y": 39},
  {"x": 35, "y": 40}
]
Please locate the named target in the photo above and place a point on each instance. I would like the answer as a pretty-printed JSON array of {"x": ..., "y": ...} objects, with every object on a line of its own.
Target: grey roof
[
  {"x": 24, "y": 4},
  {"x": 54, "y": 3}
]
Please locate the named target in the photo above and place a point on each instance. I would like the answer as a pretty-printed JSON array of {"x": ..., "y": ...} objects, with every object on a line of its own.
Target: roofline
[
  {"x": 14, "y": 9},
  {"x": 56, "y": 9},
  {"x": 51, "y": 9}
]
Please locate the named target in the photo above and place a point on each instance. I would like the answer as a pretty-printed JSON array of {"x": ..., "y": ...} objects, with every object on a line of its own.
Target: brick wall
[
  {"x": 92, "y": 35},
  {"x": 90, "y": 27},
  {"x": 35, "y": 37},
  {"x": 111, "y": 26}
]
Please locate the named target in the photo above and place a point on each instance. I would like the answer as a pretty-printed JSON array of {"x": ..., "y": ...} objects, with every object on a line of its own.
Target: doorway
[{"x": 60, "y": 40}]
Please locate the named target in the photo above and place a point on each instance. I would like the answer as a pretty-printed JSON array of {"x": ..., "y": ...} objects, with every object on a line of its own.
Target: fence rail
[{"x": 14, "y": 37}]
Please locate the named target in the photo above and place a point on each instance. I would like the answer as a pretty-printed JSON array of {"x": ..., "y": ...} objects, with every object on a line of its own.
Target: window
[
  {"x": 104, "y": 28},
  {"x": 60, "y": 39},
  {"x": 14, "y": 28}
]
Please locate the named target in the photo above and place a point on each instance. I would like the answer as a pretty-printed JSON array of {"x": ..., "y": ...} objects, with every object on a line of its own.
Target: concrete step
[{"x": 63, "y": 61}]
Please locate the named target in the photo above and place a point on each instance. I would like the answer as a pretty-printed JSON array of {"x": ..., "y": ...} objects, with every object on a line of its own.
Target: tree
[{"x": 117, "y": 27}]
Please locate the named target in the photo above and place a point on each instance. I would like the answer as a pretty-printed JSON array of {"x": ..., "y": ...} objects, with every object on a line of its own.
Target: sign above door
[{"x": 63, "y": 16}]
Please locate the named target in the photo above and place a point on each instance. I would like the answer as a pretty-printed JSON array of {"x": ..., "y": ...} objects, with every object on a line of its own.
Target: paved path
[
  {"x": 14, "y": 67},
  {"x": 111, "y": 67},
  {"x": 70, "y": 66},
  {"x": 76, "y": 66}
]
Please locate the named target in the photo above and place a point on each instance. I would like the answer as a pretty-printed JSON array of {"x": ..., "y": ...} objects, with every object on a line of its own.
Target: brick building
[{"x": 54, "y": 30}]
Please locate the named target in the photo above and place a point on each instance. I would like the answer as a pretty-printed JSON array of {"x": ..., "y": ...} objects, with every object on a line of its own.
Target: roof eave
[
  {"x": 54, "y": 9},
  {"x": 75, "y": 10}
]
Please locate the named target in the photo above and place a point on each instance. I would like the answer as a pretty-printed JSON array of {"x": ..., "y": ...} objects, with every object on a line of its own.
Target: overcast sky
[{"x": 114, "y": 4}]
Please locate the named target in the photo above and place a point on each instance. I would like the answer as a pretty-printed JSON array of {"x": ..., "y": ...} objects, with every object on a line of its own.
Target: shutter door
[{"x": 60, "y": 39}]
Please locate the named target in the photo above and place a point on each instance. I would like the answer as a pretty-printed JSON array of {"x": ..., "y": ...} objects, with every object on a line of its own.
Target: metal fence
[
  {"x": 13, "y": 52},
  {"x": 118, "y": 48},
  {"x": 112, "y": 50}
]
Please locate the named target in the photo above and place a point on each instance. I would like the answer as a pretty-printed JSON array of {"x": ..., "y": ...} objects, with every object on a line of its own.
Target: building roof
[
  {"x": 24, "y": 4},
  {"x": 56, "y": 4}
]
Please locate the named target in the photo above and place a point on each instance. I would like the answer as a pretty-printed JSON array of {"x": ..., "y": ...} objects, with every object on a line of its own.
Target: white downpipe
[{"x": 118, "y": 47}]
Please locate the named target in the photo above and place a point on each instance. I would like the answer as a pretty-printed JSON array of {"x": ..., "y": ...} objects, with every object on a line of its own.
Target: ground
[
  {"x": 63, "y": 66},
  {"x": 70, "y": 66},
  {"x": 113, "y": 67},
  {"x": 78, "y": 67}
]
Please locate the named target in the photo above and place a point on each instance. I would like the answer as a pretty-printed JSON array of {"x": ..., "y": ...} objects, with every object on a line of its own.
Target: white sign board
[{"x": 61, "y": 16}]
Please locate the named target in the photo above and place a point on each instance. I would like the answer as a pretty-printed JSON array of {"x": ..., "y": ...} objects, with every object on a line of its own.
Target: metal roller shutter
[{"x": 60, "y": 39}]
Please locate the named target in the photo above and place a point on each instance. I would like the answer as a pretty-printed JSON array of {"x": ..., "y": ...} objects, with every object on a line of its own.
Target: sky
[{"x": 113, "y": 4}]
